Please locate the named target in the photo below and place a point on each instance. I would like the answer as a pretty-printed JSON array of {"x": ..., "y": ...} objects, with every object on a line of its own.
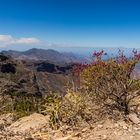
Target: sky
[{"x": 84, "y": 23}]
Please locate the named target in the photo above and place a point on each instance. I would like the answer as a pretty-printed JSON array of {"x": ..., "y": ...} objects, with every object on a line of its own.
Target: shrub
[
  {"x": 21, "y": 104},
  {"x": 110, "y": 84},
  {"x": 51, "y": 106},
  {"x": 71, "y": 110},
  {"x": 106, "y": 89}
]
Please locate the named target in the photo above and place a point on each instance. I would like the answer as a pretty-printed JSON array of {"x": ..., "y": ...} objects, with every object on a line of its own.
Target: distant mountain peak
[{"x": 45, "y": 55}]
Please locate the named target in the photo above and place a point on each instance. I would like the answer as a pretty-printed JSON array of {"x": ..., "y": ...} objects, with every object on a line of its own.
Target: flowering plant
[{"x": 110, "y": 82}]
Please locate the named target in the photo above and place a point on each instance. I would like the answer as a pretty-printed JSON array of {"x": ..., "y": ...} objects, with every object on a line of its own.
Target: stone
[
  {"x": 100, "y": 126},
  {"x": 85, "y": 129},
  {"x": 133, "y": 117},
  {"x": 125, "y": 127},
  {"x": 32, "y": 124}
]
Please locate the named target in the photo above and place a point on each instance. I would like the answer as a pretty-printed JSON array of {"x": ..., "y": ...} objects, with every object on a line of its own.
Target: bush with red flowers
[{"x": 110, "y": 84}]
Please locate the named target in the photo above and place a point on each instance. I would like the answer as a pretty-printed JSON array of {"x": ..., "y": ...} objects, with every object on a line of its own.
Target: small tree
[{"x": 110, "y": 84}]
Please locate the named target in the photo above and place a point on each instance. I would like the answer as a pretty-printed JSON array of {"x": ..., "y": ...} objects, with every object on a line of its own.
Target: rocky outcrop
[
  {"x": 24, "y": 128},
  {"x": 30, "y": 124}
]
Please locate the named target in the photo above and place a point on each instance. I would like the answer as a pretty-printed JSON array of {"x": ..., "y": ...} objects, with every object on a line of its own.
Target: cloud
[
  {"x": 28, "y": 41},
  {"x": 7, "y": 40}
]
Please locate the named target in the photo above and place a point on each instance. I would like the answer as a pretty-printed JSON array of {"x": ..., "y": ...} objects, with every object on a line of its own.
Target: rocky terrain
[
  {"x": 24, "y": 84},
  {"x": 36, "y": 127},
  {"x": 34, "y": 78}
]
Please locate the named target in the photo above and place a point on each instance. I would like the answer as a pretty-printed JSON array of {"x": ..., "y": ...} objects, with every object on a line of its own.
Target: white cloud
[
  {"x": 7, "y": 40},
  {"x": 28, "y": 41}
]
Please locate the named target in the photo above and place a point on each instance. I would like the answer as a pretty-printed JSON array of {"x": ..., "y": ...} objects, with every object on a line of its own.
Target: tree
[{"x": 110, "y": 84}]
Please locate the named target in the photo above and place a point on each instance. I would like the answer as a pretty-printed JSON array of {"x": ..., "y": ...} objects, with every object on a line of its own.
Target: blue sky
[{"x": 92, "y": 23}]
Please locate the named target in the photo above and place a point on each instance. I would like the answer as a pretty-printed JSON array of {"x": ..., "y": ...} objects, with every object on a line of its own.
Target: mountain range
[{"x": 49, "y": 55}]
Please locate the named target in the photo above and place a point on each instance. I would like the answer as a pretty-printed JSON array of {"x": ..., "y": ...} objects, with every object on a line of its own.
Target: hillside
[{"x": 33, "y": 78}]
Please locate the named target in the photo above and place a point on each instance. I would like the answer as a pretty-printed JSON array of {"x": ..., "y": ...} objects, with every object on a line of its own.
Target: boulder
[{"x": 29, "y": 124}]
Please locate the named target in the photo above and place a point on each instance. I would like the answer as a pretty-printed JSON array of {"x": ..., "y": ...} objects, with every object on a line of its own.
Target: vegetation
[
  {"x": 106, "y": 88},
  {"x": 20, "y": 104},
  {"x": 71, "y": 109}
]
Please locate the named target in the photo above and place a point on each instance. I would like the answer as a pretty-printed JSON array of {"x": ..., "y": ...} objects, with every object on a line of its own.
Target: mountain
[
  {"x": 45, "y": 55},
  {"x": 17, "y": 77}
]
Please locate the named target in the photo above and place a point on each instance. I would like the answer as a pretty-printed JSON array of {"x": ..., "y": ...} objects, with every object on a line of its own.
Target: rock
[
  {"x": 32, "y": 124},
  {"x": 125, "y": 127},
  {"x": 133, "y": 117},
  {"x": 100, "y": 126},
  {"x": 85, "y": 129}
]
